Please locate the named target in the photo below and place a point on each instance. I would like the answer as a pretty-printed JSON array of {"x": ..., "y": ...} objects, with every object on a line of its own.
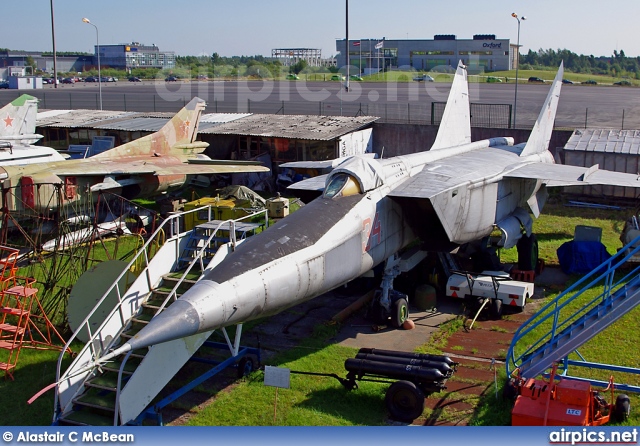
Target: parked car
[
  {"x": 536, "y": 79},
  {"x": 567, "y": 81},
  {"x": 202, "y": 77},
  {"x": 590, "y": 82},
  {"x": 171, "y": 79},
  {"x": 47, "y": 80},
  {"x": 134, "y": 79},
  {"x": 355, "y": 77},
  {"x": 4, "y": 85},
  {"x": 292, "y": 77},
  {"x": 624, "y": 82},
  {"x": 423, "y": 78},
  {"x": 91, "y": 79},
  {"x": 68, "y": 80},
  {"x": 493, "y": 79},
  {"x": 337, "y": 77}
]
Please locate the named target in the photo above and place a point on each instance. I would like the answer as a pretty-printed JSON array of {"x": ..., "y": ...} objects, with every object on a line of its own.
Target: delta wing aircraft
[
  {"x": 161, "y": 162},
  {"x": 370, "y": 210},
  {"x": 17, "y": 134}
]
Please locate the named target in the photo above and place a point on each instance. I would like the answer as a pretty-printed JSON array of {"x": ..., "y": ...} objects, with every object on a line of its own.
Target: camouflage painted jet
[
  {"x": 17, "y": 134},
  {"x": 161, "y": 162}
]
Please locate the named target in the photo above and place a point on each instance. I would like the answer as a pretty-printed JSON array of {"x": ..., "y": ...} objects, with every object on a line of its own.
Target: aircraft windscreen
[{"x": 341, "y": 185}]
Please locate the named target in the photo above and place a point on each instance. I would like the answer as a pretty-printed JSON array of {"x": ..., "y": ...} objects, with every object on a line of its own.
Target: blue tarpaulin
[{"x": 581, "y": 257}]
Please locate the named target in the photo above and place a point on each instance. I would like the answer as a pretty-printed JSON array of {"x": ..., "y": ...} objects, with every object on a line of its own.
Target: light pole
[
  {"x": 517, "y": 59},
  {"x": 86, "y": 20},
  {"x": 53, "y": 38},
  {"x": 346, "y": 85}
]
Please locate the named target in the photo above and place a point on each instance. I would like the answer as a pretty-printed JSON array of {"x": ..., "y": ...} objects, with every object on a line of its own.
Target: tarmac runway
[{"x": 580, "y": 105}]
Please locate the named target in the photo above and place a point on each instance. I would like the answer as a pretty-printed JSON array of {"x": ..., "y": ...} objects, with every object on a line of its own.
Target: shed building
[{"x": 616, "y": 150}]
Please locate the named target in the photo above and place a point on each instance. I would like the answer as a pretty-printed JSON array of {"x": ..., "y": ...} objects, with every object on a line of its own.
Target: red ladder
[{"x": 15, "y": 312}]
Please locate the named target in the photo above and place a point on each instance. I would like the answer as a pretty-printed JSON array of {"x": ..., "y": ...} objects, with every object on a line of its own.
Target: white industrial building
[{"x": 482, "y": 53}]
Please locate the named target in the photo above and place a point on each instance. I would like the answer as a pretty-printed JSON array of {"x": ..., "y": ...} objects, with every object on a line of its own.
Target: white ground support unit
[{"x": 495, "y": 285}]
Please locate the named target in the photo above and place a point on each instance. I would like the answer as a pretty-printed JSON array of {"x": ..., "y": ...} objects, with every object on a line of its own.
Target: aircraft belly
[{"x": 284, "y": 270}]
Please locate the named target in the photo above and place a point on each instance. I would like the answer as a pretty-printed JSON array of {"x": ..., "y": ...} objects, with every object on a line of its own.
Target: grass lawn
[{"x": 321, "y": 401}]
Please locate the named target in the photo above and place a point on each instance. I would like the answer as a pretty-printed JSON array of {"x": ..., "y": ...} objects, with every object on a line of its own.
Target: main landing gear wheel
[
  {"x": 399, "y": 312},
  {"x": 246, "y": 366},
  {"x": 404, "y": 401},
  {"x": 527, "y": 252}
]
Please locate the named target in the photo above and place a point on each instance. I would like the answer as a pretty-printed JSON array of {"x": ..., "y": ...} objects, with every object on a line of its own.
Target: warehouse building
[
  {"x": 482, "y": 53},
  {"x": 135, "y": 55}
]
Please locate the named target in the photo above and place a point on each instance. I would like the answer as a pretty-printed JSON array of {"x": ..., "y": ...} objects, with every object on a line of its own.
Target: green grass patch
[{"x": 310, "y": 400}]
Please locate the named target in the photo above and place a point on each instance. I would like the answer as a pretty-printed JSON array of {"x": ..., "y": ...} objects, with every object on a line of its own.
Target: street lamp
[
  {"x": 517, "y": 59},
  {"x": 86, "y": 20}
]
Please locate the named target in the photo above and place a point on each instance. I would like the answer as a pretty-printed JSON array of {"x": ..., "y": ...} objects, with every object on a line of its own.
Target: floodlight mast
[
  {"x": 515, "y": 101},
  {"x": 86, "y": 20}
]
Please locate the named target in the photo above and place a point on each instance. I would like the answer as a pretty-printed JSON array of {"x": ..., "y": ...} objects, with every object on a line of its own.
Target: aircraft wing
[
  {"x": 554, "y": 175},
  {"x": 310, "y": 184},
  {"x": 327, "y": 164},
  {"x": 424, "y": 185},
  {"x": 139, "y": 167}
]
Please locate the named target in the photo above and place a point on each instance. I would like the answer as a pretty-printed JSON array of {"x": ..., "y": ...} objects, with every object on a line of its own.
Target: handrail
[
  {"x": 168, "y": 222},
  {"x": 603, "y": 274}
]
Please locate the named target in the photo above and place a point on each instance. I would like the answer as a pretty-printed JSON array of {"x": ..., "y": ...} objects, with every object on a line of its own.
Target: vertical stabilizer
[
  {"x": 541, "y": 134},
  {"x": 19, "y": 117},
  {"x": 455, "y": 126},
  {"x": 175, "y": 137}
]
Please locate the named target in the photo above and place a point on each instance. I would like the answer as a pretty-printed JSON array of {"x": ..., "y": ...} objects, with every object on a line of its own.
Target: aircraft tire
[
  {"x": 622, "y": 407},
  {"x": 404, "y": 401},
  {"x": 400, "y": 312},
  {"x": 245, "y": 366},
  {"x": 527, "y": 252},
  {"x": 495, "y": 308}
]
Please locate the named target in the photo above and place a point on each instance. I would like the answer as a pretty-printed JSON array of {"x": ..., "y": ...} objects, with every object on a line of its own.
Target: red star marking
[
  {"x": 185, "y": 127},
  {"x": 8, "y": 121}
]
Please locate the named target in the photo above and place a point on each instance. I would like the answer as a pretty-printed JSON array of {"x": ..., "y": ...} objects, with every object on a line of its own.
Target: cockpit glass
[{"x": 342, "y": 185}]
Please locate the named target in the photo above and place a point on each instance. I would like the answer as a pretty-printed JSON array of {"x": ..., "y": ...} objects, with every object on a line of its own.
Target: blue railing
[{"x": 552, "y": 313}]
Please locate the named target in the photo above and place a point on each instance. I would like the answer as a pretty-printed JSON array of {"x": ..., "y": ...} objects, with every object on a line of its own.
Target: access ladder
[
  {"x": 15, "y": 311},
  {"x": 572, "y": 318},
  {"x": 126, "y": 390}
]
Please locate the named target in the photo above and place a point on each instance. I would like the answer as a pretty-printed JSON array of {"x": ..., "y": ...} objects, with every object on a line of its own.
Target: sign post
[{"x": 276, "y": 377}]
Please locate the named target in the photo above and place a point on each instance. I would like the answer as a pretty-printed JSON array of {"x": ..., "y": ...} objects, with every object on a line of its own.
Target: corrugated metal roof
[
  {"x": 321, "y": 128},
  {"x": 219, "y": 118},
  {"x": 131, "y": 124},
  {"x": 76, "y": 118},
  {"x": 127, "y": 121},
  {"x": 605, "y": 141}
]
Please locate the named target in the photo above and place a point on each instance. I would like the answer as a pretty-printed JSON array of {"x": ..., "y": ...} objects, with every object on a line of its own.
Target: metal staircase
[
  {"x": 573, "y": 318},
  {"x": 118, "y": 392}
]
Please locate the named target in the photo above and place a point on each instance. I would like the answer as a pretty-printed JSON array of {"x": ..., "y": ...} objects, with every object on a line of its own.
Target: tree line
[{"x": 618, "y": 65}]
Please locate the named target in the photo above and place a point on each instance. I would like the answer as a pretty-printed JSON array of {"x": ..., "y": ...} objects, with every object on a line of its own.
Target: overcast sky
[{"x": 250, "y": 27}]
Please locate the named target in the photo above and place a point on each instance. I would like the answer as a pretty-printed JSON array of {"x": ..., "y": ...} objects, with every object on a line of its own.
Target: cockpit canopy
[{"x": 356, "y": 175}]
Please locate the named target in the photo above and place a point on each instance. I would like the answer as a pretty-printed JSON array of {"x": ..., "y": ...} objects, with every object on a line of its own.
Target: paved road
[{"x": 597, "y": 106}]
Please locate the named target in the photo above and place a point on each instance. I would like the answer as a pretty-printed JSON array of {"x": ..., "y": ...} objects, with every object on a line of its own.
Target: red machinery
[{"x": 563, "y": 403}]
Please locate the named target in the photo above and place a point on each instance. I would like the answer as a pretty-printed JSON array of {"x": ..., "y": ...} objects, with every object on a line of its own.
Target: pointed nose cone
[{"x": 177, "y": 321}]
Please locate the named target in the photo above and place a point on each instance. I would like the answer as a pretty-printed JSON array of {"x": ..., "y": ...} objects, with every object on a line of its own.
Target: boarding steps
[
  {"x": 201, "y": 238},
  {"x": 87, "y": 395},
  {"x": 96, "y": 404},
  {"x": 571, "y": 319}
]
